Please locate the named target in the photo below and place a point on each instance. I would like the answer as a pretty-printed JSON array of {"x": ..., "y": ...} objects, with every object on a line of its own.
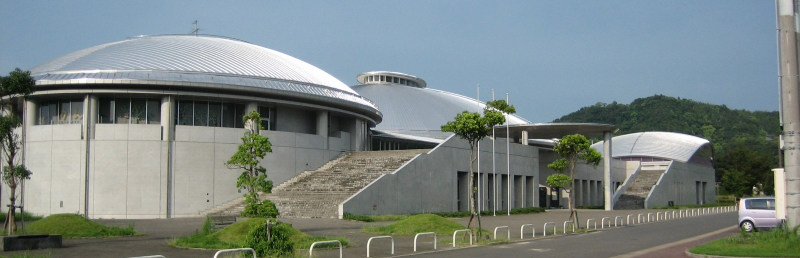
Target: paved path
[{"x": 161, "y": 231}]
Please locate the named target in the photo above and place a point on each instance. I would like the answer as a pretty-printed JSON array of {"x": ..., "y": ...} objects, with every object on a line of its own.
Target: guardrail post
[
  {"x": 462, "y": 230},
  {"x": 508, "y": 232},
  {"x": 311, "y": 249},
  {"x": 639, "y": 218},
  {"x": 603, "y": 222},
  {"x": 544, "y": 230},
  {"x": 628, "y": 220},
  {"x": 591, "y": 220},
  {"x": 649, "y": 215},
  {"x": 426, "y": 233},
  {"x": 522, "y": 228},
  {"x": 620, "y": 221},
  {"x": 565, "y": 226},
  {"x": 235, "y": 250},
  {"x": 658, "y": 214}
]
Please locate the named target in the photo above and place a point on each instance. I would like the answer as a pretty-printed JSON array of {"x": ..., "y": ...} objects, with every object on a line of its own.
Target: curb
[{"x": 690, "y": 254}]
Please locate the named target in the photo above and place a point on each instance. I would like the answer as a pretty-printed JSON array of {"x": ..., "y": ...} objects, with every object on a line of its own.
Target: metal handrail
[
  {"x": 461, "y": 230},
  {"x": 426, "y": 233},
  {"x": 628, "y": 220},
  {"x": 658, "y": 215},
  {"x": 639, "y": 218},
  {"x": 591, "y": 220},
  {"x": 311, "y": 249},
  {"x": 522, "y": 231},
  {"x": 620, "y": 221},
  {"x": 544, "y": 230},
  {"x": 649, "y": 215},
  {"x": 235, "y": 250},
  {"x": 381, "y": 237},
  {"x": 603, "y": 222}
]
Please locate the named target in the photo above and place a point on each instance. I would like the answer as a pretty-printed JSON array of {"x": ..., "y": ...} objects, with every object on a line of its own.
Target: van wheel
[{"x": 748, "y": 226}]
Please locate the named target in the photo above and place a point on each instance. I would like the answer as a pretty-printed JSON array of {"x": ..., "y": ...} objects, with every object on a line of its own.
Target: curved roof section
[
  {"x": 667, "y": 145},
  {"x": 408, "y": 109},
  {"x": 191, "y": 60}
]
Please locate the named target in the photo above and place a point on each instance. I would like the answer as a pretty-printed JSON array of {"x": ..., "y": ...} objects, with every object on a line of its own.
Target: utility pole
[{"x": 790, "y": 109}]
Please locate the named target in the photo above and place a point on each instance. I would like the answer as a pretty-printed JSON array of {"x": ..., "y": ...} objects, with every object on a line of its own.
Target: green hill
[{"x": 726, "y": 128}]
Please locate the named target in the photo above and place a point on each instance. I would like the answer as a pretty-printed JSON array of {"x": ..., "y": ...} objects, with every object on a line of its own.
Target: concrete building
[{"x": 141, "y": 128}]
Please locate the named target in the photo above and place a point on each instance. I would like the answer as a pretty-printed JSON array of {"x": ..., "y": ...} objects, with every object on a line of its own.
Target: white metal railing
[
  {"x": 620, "y": 221},
  {"x": 462, "y": 230},
  {"x": 235, "y": 250},
  {"x": 649, "y": 215},
  {"x": 544, "y": 230},
  {"x": 380, "y": 237},
  {"x": 522, "y": 231},
  {"x": 311, "y": 249},
  {"x": 426, "y": 233},
  {"x": 591, "y": 220},
  {"x": 508, "y": 232},
  {"x": 658, "y": 215},
  {"x": 603, "y": 222},
  {"x": 639, "y": 218},
  {"x": 565, "y": 226},
  {"x": 628, "y": 220}
]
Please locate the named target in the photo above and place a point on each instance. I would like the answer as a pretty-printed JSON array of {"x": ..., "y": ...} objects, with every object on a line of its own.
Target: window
[
  {"x": 129, "y": 111},
  {"x": 383, "y": 78},
  {"x": 402, "y": 81},
  {"x": 205, "y": 113},
  {"x": 267, "y": 117},
  {"x": 395, "y": 79},
  {"x": 60, "y": 112},
  {"x": 760, "y": 204}
]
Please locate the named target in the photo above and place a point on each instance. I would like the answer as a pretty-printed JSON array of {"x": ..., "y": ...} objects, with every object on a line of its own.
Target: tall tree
[
  {"x": 474, "y": 127},
  {"x": 253, "y": 177},
  {"x": 743, "y": 169},
  {"x": 573, "y": 149},
  {"x": 17, "y": 84}
]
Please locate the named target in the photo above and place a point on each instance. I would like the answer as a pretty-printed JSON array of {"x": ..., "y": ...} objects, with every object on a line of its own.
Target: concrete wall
[
  {"x": 428, "y": 182},
  {"x": 56, "y": 157},
  {"x": 295, "y": 120},
  {"x": 678, "y": 184}
]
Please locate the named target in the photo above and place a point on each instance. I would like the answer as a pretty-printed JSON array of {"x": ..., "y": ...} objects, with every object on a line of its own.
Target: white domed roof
[
  {"x": 668, "y": 145},
  {"x": 191, "y": 54}
]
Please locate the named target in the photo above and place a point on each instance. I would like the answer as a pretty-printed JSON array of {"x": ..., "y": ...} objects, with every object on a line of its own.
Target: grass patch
[
  {"x": 26, "y": 255},
  {"x": 233, "y": 236},
  {"x": 693, "y": 206},
  {"x": 18, "y": 217},
  {"x": 73, "y": 226},
  {"x": 462, "y": 214},
  {"x": 777, "y": 242}
]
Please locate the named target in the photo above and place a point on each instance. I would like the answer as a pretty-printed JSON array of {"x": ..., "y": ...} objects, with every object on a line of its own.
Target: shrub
[
  {"x": 259, "y": 209},
  {"x": 275, "y": 243}
]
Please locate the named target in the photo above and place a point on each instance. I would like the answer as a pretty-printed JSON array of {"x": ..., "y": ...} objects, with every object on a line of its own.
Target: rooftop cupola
[{"x": 384, "y": 77}]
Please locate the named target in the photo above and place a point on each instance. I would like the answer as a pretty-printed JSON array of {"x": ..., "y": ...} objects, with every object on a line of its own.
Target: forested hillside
[{"x": 727, "y": 129}]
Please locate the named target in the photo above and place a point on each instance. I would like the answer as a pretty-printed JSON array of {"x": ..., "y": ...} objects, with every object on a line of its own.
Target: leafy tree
[
  {"x": 473, "y": 127},
  {"x": 17, "y": 84},
  {"x": 742, "y": 169},
  {"x": 572, "y": 149},
  {"x": 254, "y": 177}
]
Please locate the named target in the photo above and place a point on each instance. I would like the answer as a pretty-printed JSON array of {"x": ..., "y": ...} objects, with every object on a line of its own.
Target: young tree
[
  {"x": 254, "y": 177},
  {"x": 473, "y": 127},
  {"x": 17, "y": 84},
  {"x": 572, "y": 149}
]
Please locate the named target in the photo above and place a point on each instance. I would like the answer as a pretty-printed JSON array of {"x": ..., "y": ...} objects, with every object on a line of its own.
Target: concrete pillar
[
  {"x": 251, "y": 106},
  {"x": 524, "y": 137},
  {"x": 168, "y": 118},
  {"x": 607, "y": 171},
  {"x": 31, "y": 111},
  {"x": 322, "y": 126},
  {"x": 780, "y": 194},
  {"x": 90, "y": 114},
  {"x": 790, "y": 107}
]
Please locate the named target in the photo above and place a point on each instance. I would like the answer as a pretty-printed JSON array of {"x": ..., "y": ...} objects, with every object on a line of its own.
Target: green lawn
[
  {"x": 233, "y": 236},
  {"x": 75, "y": 226},
  {"x": 774, "y": 243}
]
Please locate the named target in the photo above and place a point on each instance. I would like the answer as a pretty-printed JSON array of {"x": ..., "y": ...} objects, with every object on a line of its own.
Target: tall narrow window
[
  {"x": 122, "y": 110},
  {"x": 153, "y": 111},
  {"x": 106, "y": 113},
  {"x": 185, "y": 112},
  {"x": 53, "y": 112},
  {"x": 266, "y": 114},
  {"x": 215, "y": 114},
  {"x": 239, "y": 116},
  {"x": 63, "y": 112},
  {"x": 228, "y": 115},
  {"x": 76, "y": 112},
  {"x": 201, "y": 113},
  {"x": 44, "y": 114},
  {"x": 138, "y": 111}
]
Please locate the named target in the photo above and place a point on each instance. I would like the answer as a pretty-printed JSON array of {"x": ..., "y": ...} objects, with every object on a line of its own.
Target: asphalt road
[{"x": 609, "y": 243}]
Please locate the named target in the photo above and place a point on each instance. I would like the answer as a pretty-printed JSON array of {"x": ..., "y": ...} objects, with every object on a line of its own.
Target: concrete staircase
[
  {"x": 318, "y": 193},
  {"x": 634, "y": 197}
]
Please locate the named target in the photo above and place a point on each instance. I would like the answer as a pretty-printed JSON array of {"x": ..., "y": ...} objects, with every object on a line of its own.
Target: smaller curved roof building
[{"x": 660, "y": 145}]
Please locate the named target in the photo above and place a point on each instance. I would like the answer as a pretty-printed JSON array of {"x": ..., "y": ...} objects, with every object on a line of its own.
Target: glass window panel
[
  {"x": 383, "y": 78},
  {"x": 185, "y": 112},
  {"x": 228, "y": 115},
  {"x": 395, "y": 79},
  {"x": 264, "y": 112},
  {"x": 201, "y": 113},
  {"x": 388, "y": 78},
  {"x": 63, "y": 112},
  {"x": 44, "y": 114},
  {"x": 76, "y": 112},
  {"x": 53, "y": 112},
  {"x": 153, "y": 111},
  {"x": 104, "y": 115},
  {"x": 122, "y": 110},
  {"x": 215, "y": 114},
  {"x": 402, "y": 81},
  {"x": 239, "y": 115},
  {"x": 138, "y": 111}
]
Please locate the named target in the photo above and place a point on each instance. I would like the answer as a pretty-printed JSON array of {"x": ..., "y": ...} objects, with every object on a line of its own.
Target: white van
[{"x": 757, "y": 212}]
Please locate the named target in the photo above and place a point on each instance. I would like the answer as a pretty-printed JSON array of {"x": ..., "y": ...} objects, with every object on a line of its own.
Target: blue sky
[{"x": 553, "y": 57}]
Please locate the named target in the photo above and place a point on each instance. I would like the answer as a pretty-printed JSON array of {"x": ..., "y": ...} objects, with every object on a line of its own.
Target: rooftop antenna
[{"x": 195, "y": 29}]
